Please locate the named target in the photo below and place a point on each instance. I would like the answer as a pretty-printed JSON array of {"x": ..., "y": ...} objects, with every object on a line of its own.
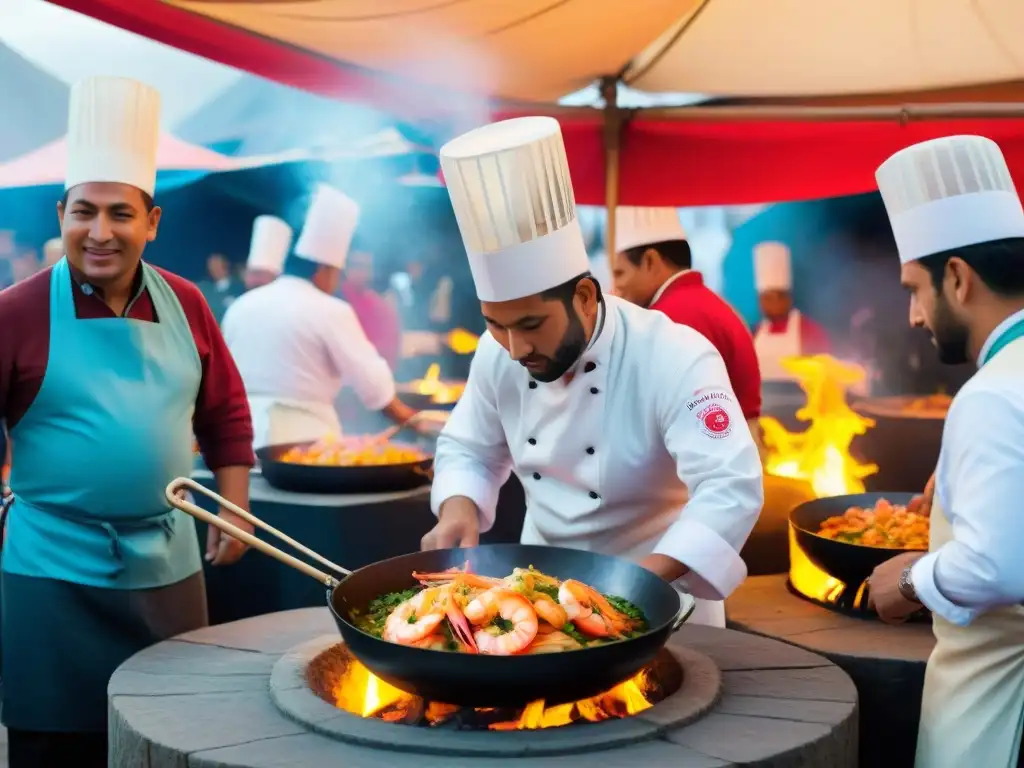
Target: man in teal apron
[
  {"x": 959, "y": 226},
  {"x": 96, "y": 565}
]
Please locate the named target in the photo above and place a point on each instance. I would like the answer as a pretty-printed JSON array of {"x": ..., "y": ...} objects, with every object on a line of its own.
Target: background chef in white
[
  {"x": 296, "y": 344},
  {"x": 959, "y": 227},
  {"x": 784, "y": 331},
  {"x": 268, "y": 249},
  {"x": 606, "y": 412}
]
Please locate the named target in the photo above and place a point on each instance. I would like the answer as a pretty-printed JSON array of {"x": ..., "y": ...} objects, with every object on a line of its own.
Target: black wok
[
  {"x": 850, "y": 563},
  {"x": 480, "y": 680},
  {"x": 320, "y": 478}
]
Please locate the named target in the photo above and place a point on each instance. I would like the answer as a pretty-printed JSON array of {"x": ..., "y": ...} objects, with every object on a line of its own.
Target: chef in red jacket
[
  {"x": 783, "y": 331},
  {"x": 108, "y": 367},
  {"x": 652, "y": 268}
]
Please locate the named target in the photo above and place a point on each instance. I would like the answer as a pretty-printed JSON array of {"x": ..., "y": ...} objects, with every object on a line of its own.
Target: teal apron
[{"x": 90, "y": 534}]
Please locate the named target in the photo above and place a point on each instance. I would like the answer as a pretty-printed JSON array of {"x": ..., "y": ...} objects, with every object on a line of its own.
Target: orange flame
[
  {"x": 439, "y": 392},
  {"x": 820, "y": 455},
  {"x": 362, "y": 693}
]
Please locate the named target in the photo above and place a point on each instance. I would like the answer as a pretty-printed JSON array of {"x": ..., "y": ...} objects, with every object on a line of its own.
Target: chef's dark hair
[
  {"x": 147, "y": 200},
  {"x": 999, "y": 264},
  {"x": 567, "y": 290},
  {"x": 676, "y": 252}
]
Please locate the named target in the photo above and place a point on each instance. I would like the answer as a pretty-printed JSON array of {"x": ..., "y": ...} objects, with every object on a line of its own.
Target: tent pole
[{"x": 613, "y": 122}]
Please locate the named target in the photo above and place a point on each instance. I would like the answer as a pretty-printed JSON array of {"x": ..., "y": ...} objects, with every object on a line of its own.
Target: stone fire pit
[{"x": 239, "y": 695}]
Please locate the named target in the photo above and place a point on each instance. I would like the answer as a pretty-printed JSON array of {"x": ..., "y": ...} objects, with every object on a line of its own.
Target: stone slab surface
[
  {"x": 765, "y": 606},
  {"x": 886, "y": 663},
  {"x": 203, "y": 709}
]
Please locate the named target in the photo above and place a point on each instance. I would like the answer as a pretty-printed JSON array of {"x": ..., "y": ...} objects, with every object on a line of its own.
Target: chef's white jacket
[
  {"x": 979, "y": 485},
  {"x": 609, "y": 459},
  {"x": 292, "y": 341}
]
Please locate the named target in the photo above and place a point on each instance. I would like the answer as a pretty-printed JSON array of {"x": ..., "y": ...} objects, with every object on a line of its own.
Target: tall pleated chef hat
[
  {"x": 271, "y": 239},
  {"x": 510, "y": 188},
  {"x": 645, "y": 226},
  {"x": 113, "y": 133},
  {"x": 772, "y": 268},
  {"x": 329, "y": 227},
  {"x": 948, "y": 193}
]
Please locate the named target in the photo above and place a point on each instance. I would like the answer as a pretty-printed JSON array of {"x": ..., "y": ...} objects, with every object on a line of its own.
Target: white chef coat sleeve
[
  {"x": 716, "y": 457},
  {"x": 472, "y": 457},
  {"x": 356, "y": 359},
  {"x": 980, "y": 487}
]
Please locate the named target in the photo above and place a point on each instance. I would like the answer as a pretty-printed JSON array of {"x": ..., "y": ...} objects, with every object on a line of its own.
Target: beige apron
[
  {"x": 973, "y": 705},
  {"x": 276, "y": 421}
]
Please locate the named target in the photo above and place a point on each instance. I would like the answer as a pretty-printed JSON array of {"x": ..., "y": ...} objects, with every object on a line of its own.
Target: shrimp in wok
[{"x": 525, "y": 612}]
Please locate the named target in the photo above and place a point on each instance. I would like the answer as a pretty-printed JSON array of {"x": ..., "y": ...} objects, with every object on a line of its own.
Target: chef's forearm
[{"x": 233, "y": 485}]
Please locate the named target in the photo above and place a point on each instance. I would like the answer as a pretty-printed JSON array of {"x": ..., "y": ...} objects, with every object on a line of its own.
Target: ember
[
  {"x": 820, "y": 454},
  {"x": 341, "y": 680}
]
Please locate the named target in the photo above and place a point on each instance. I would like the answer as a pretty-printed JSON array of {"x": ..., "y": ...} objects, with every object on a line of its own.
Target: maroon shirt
[
  {"x": 221, "y": 424},
  {"x": 689, "y": 302}
]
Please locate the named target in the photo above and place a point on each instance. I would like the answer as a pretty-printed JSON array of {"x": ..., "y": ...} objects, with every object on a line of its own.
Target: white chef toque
[
  {"x": 329, "y": 227},
  {"x": 645, "y": 226},
  {"x": 268, "y": 250},
  {"x": 772, "y": 268},
  {"x": 510, "y": 188},
  {"x": 949, "y": 193},
  {"x": 113, "y": 133}
]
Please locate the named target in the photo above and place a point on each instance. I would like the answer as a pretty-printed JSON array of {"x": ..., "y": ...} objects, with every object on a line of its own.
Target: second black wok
[
  {"x": 324, "y": 478},
  {"x": 850, "y": 563},
  {"x": 476, "y": 679}
]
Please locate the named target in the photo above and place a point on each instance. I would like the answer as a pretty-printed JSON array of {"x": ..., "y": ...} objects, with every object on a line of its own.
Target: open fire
[
  {"x": 820, "y": 456},
  {"x": 439, "y": 392},
  {"x": 337, "y": 677}
]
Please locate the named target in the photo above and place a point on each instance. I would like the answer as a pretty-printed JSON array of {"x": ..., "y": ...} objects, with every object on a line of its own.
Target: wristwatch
[{"x": 906, "y": 586}]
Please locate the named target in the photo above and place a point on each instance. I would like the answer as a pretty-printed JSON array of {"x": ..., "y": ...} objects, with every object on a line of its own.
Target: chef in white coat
[
  {"x": 959, "y": 227},
  {"x": 295, "y": 343},
  {"x": 268, "y": 250},
  {"x": 605, "y": 411},
  {"x": 783, "y": 331}
]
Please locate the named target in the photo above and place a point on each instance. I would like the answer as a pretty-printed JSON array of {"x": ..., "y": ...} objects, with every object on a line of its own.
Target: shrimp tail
[{"x": 461, "y": 629}]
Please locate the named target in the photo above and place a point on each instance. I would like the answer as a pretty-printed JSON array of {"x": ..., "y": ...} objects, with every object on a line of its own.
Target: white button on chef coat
[
  {"x": 297, "y": 346},
  {"x": 606, "y": 460}
]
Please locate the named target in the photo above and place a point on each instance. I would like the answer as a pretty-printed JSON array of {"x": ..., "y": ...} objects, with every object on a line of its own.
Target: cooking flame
[
  {"x": 439, "y": 392},
  {"x": 362, "y": 693},
  {"x": 462, "y": 342},
  {"x": 820, "y": 455}
]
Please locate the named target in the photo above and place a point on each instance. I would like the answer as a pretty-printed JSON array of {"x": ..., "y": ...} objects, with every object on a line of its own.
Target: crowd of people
[{"x": 630, "y": 419}]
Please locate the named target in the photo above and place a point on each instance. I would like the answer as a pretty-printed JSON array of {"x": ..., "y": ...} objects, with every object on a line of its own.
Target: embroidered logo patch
[{"x": 714, "y": 420}]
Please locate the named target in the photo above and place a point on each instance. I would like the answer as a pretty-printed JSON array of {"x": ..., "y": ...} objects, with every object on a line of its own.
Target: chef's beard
[
  {"x": 949, "y": 334},
  {"x": 570, "y": 348}
]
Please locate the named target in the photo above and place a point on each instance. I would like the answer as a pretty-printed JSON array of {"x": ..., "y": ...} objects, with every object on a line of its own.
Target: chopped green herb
[
  {"x": 545, "y": 589},
  {"x": 502, "y": 625},
  {"x": 377, "y": 612}
]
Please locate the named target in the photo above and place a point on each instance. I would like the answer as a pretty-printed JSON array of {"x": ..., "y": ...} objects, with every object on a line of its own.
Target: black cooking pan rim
[
  {"x": 662, "y": 627},
  {"x": 261, "y": 454},
  {"x": 873, "y": 496}
]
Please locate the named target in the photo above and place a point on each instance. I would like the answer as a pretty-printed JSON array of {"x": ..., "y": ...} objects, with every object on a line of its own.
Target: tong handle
[{"x": 174, "y": 494}]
